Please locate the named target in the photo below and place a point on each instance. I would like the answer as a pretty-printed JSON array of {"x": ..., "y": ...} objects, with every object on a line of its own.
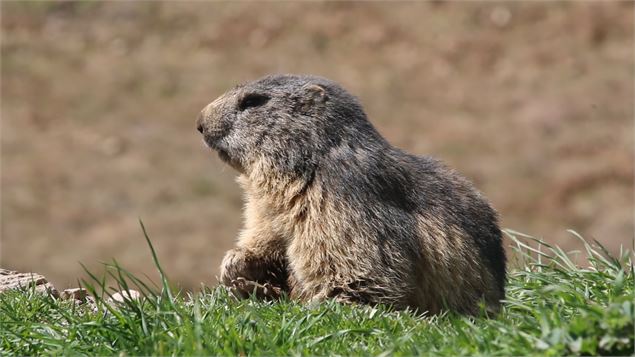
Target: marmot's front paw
[
  {"x": 233, "y": 266},
  {"x": 242, "y": 288},
  {"x": 241, "y": 263}
]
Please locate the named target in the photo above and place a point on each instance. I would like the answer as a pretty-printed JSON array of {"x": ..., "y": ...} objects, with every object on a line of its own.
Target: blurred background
[{"x": 531, "y": 101}]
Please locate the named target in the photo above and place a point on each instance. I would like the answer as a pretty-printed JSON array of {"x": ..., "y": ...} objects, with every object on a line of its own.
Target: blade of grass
[{"x": 164, "y": 279}]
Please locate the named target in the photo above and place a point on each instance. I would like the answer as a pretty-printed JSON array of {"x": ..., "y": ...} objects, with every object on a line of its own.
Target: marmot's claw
[
  {"x": 243, "y": 288},
  {"x": 239, "y": 282}
]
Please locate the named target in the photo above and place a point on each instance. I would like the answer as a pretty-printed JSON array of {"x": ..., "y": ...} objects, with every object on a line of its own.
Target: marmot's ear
[{"x": 315, "y": 94}]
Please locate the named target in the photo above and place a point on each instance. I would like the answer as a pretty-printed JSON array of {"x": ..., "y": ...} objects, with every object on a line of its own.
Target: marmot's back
[
  {"x": 479, "y": 259},
  {"x": 428, "y": 223},
  {"x": 337, "y": 212}
]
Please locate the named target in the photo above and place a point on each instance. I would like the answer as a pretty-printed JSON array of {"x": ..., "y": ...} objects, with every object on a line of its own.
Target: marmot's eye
[{"x": 252, "y": 100}]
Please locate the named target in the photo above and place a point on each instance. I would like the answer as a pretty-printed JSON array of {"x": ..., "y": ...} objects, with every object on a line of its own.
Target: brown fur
[{"x": 351, "y": 218}]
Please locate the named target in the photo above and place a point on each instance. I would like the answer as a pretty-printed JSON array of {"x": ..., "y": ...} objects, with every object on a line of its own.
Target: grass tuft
[{"x": 554, "y": 306}]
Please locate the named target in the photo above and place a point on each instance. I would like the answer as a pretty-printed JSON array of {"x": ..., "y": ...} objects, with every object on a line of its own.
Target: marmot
[{"x": 334, "y": 211}]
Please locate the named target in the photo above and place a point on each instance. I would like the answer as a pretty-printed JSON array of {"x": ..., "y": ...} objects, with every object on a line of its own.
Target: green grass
[{"x": 552, "y": 308}]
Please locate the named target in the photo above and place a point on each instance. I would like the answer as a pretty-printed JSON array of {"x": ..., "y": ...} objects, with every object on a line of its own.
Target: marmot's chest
[{"x": 292, "y": 209}]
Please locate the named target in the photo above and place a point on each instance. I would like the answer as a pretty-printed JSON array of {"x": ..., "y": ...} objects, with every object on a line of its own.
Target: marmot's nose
[{"x": 199, "y": 123}]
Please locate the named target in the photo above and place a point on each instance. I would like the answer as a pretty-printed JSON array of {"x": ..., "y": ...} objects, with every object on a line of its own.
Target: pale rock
[
  {"x": 10, "y": 279},
  {"x": 124, "y": 295},
  {"x": 78, "y": 294}
]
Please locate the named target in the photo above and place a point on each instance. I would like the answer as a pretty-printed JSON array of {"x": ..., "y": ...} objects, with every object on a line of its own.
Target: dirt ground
[{"x": 533, "y": 101}]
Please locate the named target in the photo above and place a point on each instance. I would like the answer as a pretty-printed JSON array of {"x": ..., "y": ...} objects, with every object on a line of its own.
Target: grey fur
[{"x": 334, "y": 211}]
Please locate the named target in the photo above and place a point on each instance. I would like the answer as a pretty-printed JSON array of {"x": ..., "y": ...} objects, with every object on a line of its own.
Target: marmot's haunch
[{"x": 334, "y": 211}]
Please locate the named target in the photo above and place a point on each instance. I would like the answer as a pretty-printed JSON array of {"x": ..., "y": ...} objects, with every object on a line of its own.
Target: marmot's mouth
[
  {"x": 214, "y": 142},
  {"x": 224, "y": 155},
  {"x": 211, "y": 141}
]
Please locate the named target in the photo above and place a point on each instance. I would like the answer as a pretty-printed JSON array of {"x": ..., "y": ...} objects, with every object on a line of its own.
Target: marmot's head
[{"x": 288, "y": 122}]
